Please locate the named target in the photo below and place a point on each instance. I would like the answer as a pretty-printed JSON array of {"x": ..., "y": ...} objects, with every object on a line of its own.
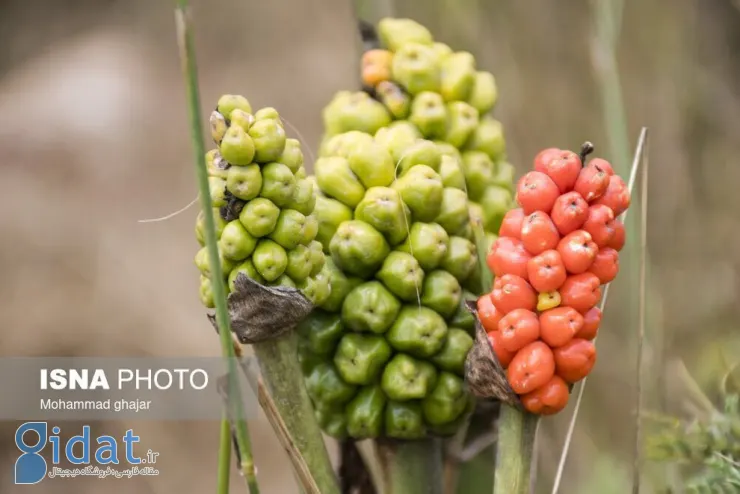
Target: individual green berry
[
  {"x": 206, "y": 292},
  {"x": 269, "y": 140},
  {"x": 463, "y": 318},
  {"x": 218, "y": 126},
  {"x": 317, "y": 257},
  {"x": 394, "y": 33},
  {"x": 236, "y": 243},
  {"x": 484, "y": 93},
  {"x": 292, "y": 156},
  {"x": 372, "y": 164},
  {"x": 429, "y": 114},
  {"x": 288, "y": 232},
  {"x": 332, "y": 421},
  {"x": 342, "y": 144},
  {"x": 229, "y": 102},
  {"x": 244, "y": 182},
  {"x": 237, "y": 146},
  {"x": 461, "y": 258},
  {"x": 299, "y": 263},
  {"x": 457, "y": 76},
  {"x": 504, "y": 176},
  {"x": 200, "y": 226},
  {"x": 402, "y": 275},
  {"x": 496, "y": 201},
  {"x": 441, "y": 293},
  {"x": 419, "y": 331},
  {"x": 365, "y": 413},
  {"x": 217, "y": 188},
  {"x": 203, "y": 263},
  {"x": 462, "y": 123},
  {"x": 383, "y": 209},
  {"x": 242, "y": 119},
  {"x": 370, "y": 307},
  {"x": 358, "y": 249},
  {"x": 446, "y": 401},
  {"x": 336, "y": 179},
  {"x": 397, "y": 138},
  {"x": 415, "y": 68},
  {"x": 269, "y": 259},
  {"x": 404, "y": 420},
  {"x": 285, "y": 281},
  {"x": 321, "y": 331},
  {"x": 330, "y": 214},
  {"x": 247, "y": 268},
  {"x": 453, "y": 212},
  {"x": 451, "y": 173},
  {"x": 406, "y": 378},
  {"x": 427, "y": 242},
  {"x": 354, "y": 111},
  {"x": 259, "y": 216},
  {"x": 304, "y": 198},
  {"x": 442, "y": 50},
  {"x": 421, "y": 152},
  {"x": 311, "y": 229},
  {"x": 454, "y": 352},
  {"x": 447, "y": 149},
  {"x": 278, "y": 184},
  {"x": 422, "y": 191},
  {"x": 268, "y": 113},
  {"x": 360, "y": 358},
  {"x": 395, "y": 99},
  {"x": 316, "y": 288},
  {"x": 488, "y": 137},
  {"x": 478, "y": 169},
  {"x": 216, "y": 165},
  {"x": 326, "y": 386},
  {"x": 301, "y": 173}
]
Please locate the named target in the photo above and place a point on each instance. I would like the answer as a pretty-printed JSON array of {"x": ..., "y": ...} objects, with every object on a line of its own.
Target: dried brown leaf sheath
[
  {"x": 260, "y": 313},
  {"x": 483, "y": 373}
]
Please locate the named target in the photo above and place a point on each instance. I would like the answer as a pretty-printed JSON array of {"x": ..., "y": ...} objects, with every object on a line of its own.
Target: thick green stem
[
  {"x": 282, "y": 376},
  {"x": 516, "y": 433},
  {"x": 224, "y": 456},
  {"x": 412, "y": 467},
  {"x": 190, "y": 75}
]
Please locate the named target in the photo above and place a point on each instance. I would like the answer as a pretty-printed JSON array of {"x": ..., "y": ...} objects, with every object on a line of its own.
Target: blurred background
[{"x": 94, "y": 137}]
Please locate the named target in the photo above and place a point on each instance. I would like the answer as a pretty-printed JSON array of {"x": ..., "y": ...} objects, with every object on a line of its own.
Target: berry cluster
[
  {"x": 552, "y": 256},
  {"x": 263, "y": 204}
]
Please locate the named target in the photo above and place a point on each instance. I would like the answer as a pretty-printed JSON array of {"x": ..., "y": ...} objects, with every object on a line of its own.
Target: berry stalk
[
  {"x": 516, "y": 433},
  {"x": 411, "y": 467},
  {"x": 190, "y": 74}
]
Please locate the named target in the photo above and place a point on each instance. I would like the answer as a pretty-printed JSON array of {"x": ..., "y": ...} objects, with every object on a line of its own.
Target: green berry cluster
[{"x": 263, "y": 204}]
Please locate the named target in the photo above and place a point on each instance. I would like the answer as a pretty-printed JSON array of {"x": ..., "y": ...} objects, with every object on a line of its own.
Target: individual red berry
[
  {"x": 536, "y": 192},
  {"x": 543, "y": 158},
  {"x": 617, "y": 242},
  {"x": 563, "y": 169},
  {"x": 511, "y": 226},
  {"x": 575, "y": 359},
  {"x": 581, "y": 291},
  {"x": 591, "y": 323},
  {"x": 549, "y": 399},
  {"x": 518, "y": 328},
  {"x": 488, "y": 314},
  {"x": 592, "y": 182},
  {"x": 508, "y": 256},
  {"x": 569, "y": 212},
  {"x": 539, "y": 233},
  {"x": 604, "y": 165},
  {"x": 532, "y": 366},
  {"x": 513, "y": 292},
  {"x": 617, "y": 195},
  {"x": 504, "y": 356},
  {"x": 605, "y": 265},
  {"x": 546, "y": 271},
  {"x": 559, "y": 325},
  {"x": 600, "y": 224},
  {"x": 578, "y": 251}
]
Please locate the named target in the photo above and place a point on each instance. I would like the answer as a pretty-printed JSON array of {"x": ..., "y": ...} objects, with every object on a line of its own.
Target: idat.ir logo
[{"x": 32, "y": 437}]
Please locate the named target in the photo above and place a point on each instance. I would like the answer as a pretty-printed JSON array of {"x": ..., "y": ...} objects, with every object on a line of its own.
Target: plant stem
[
  {"x": 190, "y": 74},
  {"x": 281, "y": 373},
  {"x": 224, "y": 456},
  {"x": 412, "y": 467},
  {"x": 516, "y": 433}
]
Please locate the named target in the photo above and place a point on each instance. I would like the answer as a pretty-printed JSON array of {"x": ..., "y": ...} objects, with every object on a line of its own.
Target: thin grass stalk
[
  {"x": 224, "y": 456},
  {"x": 190, "y": 74}
]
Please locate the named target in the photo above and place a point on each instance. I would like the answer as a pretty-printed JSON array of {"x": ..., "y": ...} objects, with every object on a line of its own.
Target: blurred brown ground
[{"x": 93, "y": 137}]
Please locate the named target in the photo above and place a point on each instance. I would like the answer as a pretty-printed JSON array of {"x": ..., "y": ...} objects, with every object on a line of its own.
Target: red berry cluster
[{"x": 550, "y": 260}]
